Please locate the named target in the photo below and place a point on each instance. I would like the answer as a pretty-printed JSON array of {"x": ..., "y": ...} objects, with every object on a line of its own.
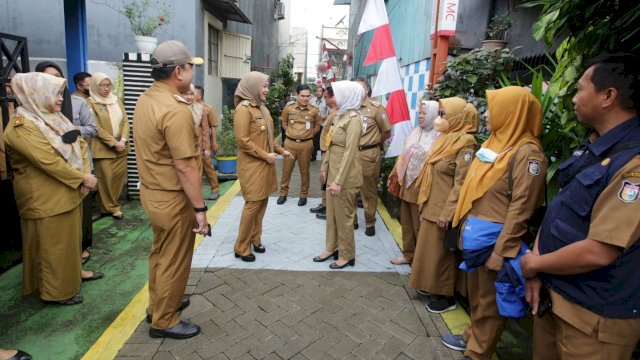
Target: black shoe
[
  {"x": 96, "y": 275},
  {"x": 318, "y": 209},
  {"x": 183, "y": 305},
  {"x": 355, "y": 226},
  {"x": 335, "y": 266},
  {"x": 281, "y": 200},
  {"x": 321, "y": 216},
  {"x": 370, "y": 231},
  {"x": 246, "y": 258},
  {"x": 319, "y": 259},
  {"x": 78, "y": 299},
  {"x": 20, "y": 355},
  {"x": 181, "y": 330},
  {"x": 302, "y": 201},
  {"x": 259, "y": 249},
  {"x": 442, "y": 304}
]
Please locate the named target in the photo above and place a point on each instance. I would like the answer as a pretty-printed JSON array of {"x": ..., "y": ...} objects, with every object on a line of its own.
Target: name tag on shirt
[{"x": 308, "y": 124}]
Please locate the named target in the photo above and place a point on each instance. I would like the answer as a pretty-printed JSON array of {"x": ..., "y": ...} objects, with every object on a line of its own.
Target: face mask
[
  {"x": 441, "y": 124},
  {"x": 85, "y": 91},
  {"x": 488, "y": 156}
]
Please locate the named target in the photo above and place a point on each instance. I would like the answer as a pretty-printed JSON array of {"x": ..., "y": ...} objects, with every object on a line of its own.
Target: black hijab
[{"x": 67, "y": 110}]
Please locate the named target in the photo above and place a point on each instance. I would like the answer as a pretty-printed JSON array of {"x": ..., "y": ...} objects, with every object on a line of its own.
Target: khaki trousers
[
  {"x": 302, "y": 155},
  {"x": 250, "y": 231},
  {"x": 341, "y": 213},
  {"x": 554, "y": 338},
  {"x": 486, "y": 323},
  {"x": 370, "y": 161},
  {"x": 211, "y": 174},
  {"x": 51, "y": 255},
  {"x": 434, "y": 268},
  {"x": 410, "y": 223},
  {"x": 324, "y": 193},
  {"x": 173, "y": 220},
  {"x": 111, "y": 174}
]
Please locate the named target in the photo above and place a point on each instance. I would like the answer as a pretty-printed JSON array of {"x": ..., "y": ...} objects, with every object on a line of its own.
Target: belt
[
  {"x": 367, "y": 147},
  {"x": 299, "y": 140}
]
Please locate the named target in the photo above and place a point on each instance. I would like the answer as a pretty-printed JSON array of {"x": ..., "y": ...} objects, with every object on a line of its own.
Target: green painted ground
[{"x": 66, "y": 332}]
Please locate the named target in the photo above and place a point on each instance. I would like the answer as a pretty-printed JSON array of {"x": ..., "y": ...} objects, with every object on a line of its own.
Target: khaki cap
[{"x": 173, "y": 53}]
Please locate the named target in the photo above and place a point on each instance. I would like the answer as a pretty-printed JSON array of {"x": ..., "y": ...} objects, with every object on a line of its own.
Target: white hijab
[{"x": 349, "y": 95}]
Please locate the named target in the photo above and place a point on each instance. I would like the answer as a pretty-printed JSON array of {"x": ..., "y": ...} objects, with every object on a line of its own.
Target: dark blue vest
[{"x": 614, "y": 290}]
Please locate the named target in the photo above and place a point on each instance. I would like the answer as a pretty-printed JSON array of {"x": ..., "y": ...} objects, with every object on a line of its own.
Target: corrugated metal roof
[{"x": 341, "y": 2}]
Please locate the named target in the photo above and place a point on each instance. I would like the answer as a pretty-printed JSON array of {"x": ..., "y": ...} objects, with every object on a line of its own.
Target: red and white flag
[
  {"x": 327, "y": 60},
  {"x": 389, "y": 80}
]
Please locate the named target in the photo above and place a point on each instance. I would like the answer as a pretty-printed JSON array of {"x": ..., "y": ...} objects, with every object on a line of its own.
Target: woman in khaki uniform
[
  {"x": 343, "y": 174},
  {"x": 514, "y": 117},
  {"x": 109, "y": 149},
  {"x": 253, "y": 127},
  {"x": 434, "y": 269},
  {"x": 408, "y": 168},
  {"x": 51, "y": 176},
  {"x": 201, "y": 123}
]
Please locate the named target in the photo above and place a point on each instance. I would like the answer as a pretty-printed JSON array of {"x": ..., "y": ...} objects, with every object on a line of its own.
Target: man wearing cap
[
  {"x": 301, "y": 121},
  {"x": 166, "y": 150},
  {"x": 375, "y": 130}
]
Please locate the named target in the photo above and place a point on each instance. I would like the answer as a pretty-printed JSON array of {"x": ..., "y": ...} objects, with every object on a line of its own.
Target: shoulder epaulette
[
  {"x": 375, "y": 103},
  {"x": 353, "y": 113},
  {"x": 180, "y": 99},
  {"x": 18, "y": 120},
  {"x": 291, "y": 102}
]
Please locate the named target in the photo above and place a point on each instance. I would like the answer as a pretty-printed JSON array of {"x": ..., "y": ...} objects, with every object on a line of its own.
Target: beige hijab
[
  {"x": 111, "y": 101},
  {"x": 37, "y": 93},
  {"x": 249, "y": 88}
]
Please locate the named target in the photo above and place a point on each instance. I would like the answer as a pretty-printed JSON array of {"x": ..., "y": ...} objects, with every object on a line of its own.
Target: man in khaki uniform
[
  {"x": 587, "y": 252},
  {"x": 212, "y": 120},
  {"x": 321, "y": 209},
  {"x": 375, "y": 130},
  {"x": 301, "y": 121},
  {"x": 166, "y": 150}
]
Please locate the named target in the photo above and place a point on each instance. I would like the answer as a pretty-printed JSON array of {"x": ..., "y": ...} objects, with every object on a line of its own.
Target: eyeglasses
[{"x": 70, "y": 136}]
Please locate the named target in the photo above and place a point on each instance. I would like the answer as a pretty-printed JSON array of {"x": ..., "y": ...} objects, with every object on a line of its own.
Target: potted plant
[
  {"x": 496, "y": 32},
  {"x": 226, "y": 157},
  {"x": 143, "y": 24}
]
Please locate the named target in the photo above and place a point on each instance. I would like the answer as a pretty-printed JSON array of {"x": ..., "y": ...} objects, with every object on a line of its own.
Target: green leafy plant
[
  {"x": 226, "y": 134},
  {"x": 136, "y": 11},
  {"x": 280, "y": 85},
  {"x": 497, "y": 28}
]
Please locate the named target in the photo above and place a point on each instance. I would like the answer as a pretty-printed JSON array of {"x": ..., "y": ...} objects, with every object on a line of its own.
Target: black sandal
[{"x": 334, "y": 255}]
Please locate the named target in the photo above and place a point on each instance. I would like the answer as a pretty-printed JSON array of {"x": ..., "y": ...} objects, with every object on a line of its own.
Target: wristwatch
[{"x": 201, "y": 209}]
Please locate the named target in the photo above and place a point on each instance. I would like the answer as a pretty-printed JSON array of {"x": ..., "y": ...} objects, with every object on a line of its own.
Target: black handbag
[{"x": 451, "y": 236}]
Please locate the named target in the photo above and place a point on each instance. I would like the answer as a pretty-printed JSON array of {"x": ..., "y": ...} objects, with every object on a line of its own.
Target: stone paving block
[
  {"x": 189, "y": 346},
  {"x": 408, "y": 320},
  {"x": 140, "y": 350},
  {"x": 367, "y": 349},
  {"x": 282, "y": 331},
  {"x": 163, "y": 355},
  {"x": 237, "y": 350},
  {"x": 210, "y": 330},
  {"x": 235, "y": 330},
  {"x": 216, "y": 347},
  {"x": 226, "y": 316},
  {"x": 142, "y": 337},
  {"x": 420, "y": 348},
  {"x": 352, "y": 331},
  {"x": 318, "y": 350},
  {"x": 218, "y": 356},
  {"x": 263, "y": 349},
  {"x": 295, "y": 316},
  {"x": 208, "y": 281},
  {"x": 343, "y": 348}
]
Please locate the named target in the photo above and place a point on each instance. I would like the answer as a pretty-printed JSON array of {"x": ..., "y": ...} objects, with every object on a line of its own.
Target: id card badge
[
  {"x": 364, "y": 127},
  {"x": 308, "y": 124}
]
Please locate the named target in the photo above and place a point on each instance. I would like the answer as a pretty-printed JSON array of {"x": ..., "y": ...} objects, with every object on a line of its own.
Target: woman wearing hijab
[
  {"x": 434, "y": 268},
  {"x": 201, "y": 123},
  {"x": 409, "y": 167},
  {"x": 109, "y": 148},
  {"x": 257, "y": 151},
  {"x": 342, "y": 172},
  {"x": 48, "y": 158},
  {"x": 494, "y": 209},
  {"x": 54, "y": 69}
]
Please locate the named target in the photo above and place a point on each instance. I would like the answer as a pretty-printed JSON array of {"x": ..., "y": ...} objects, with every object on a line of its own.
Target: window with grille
[{"x": 213, "y": 51}]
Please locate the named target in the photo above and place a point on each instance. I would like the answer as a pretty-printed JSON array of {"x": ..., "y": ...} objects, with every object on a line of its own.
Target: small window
[{"x": 213, "y": 51}]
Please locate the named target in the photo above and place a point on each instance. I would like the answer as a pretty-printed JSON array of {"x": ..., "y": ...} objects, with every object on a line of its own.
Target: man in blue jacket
[{"x": 587, "y": 254}]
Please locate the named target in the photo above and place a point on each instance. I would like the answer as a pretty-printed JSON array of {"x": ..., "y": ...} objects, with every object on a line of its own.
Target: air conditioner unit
[{"x": 279, "y": 14}]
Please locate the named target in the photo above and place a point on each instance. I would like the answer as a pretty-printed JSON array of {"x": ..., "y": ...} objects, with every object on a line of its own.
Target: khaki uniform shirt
[
  {"x": 44, "y": 183},
  {"x": 301, "y": 122},
  {"x": 325, "y": 129},
  {"x": 374, "y": 123},
  {"x": 163, "y": 130},
  {"x": 495, "y": 205},
  {"x": 102, "y": 146},
  {"x": 613, "y": 222},
  {"x": 448, "y": 177},
  {"x": 212, "y": 121},
  {"x": 341, "y": 161},
  {"x": 252, "y": 124}
]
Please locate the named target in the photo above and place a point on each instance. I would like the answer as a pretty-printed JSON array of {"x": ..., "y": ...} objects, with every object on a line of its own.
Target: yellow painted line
[
  {"x": 456, "y": 320},
  {"x": 121, "y": 329}
]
